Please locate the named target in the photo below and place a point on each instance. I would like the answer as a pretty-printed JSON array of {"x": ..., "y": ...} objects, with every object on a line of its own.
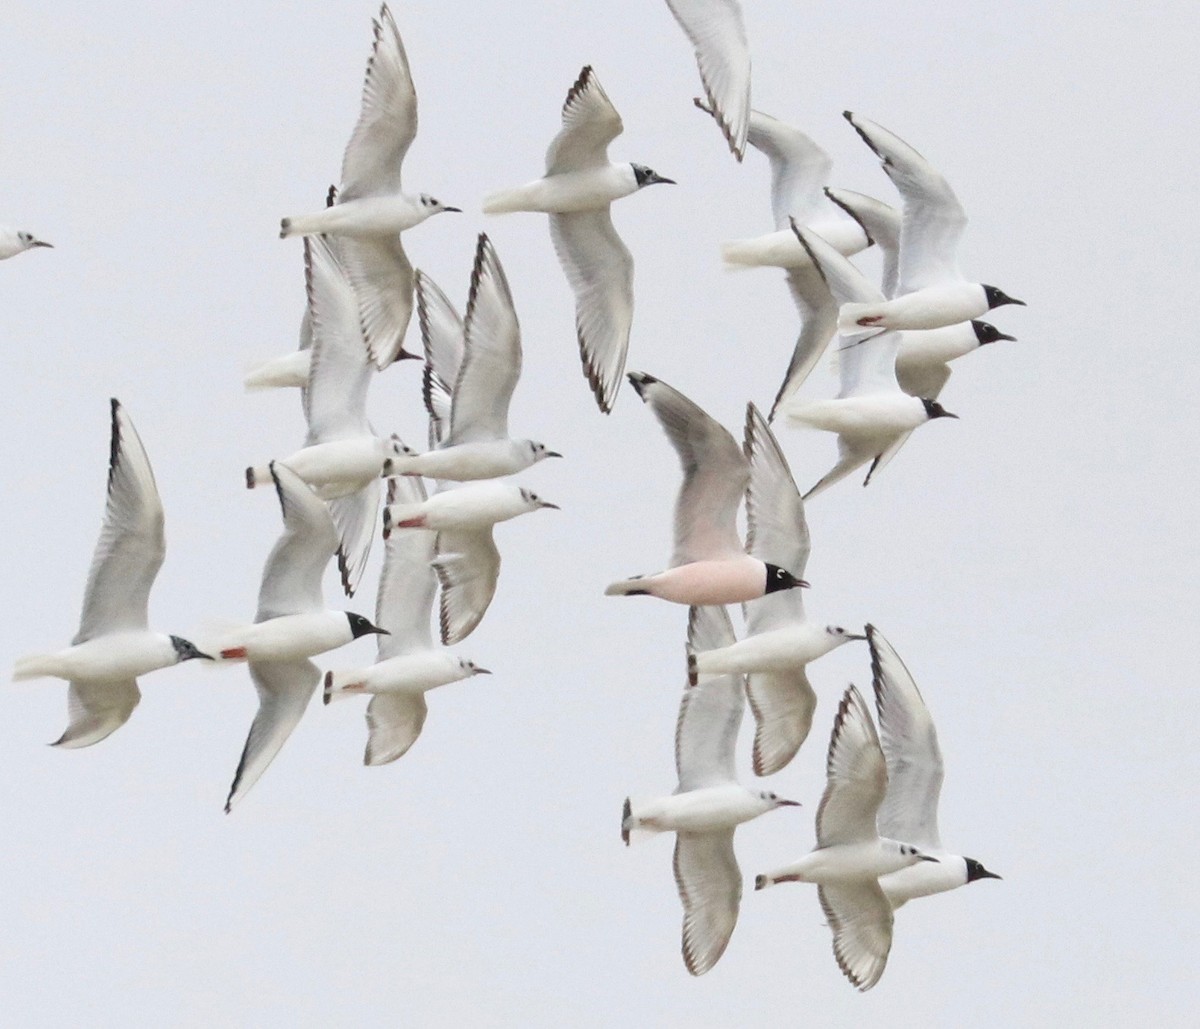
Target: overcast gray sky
[{"x": 1032, "y": 563}]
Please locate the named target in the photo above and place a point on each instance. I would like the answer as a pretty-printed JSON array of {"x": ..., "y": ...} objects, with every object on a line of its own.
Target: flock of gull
[{"x": 878, "y": 843}]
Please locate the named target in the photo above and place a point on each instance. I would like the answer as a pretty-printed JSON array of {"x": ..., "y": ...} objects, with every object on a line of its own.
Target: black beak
[
  {"x": 854, "y": 636},
  {"x": 546, "y": 503},
  {"x": 209, "y": 657},
  {"x": 42, "y": 243},
  {"x": 985, "y": 874},
  {"x": 1001, "y": 335},
  {"x": 456, "y": 210},
  {"x": 666, "y": 182},
  {"x": 378, "y": 631},
  {"x": 553, "y": 453},
  {"x": 926, "y": 857},
  {"x": 788, "y": 803},
  {"x": 483, "y": 671}
]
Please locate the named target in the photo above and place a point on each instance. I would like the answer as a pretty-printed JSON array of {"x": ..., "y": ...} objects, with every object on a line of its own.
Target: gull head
[
  {"x": 773, "y": 800},
  {"x": 986, "y": 332},
  {"x": 915, "y": 855},
  {"x": 185, "y": 651},
  {"x": 533, "y": 501},
  {"x": 935, "y": 410},
  {"x": 433, "y": 206},
  {"x": 538, "y": 452},
  {"x": 359, "y": 626},
  {"x": 648, "y": 176},
  {"x": 28, "y": 241},
  {"x": 998, "y": 298},
  {"x": 471, "y": 668},
  {"x": 976, "y": 871},
  {"x": 838, "y": 635},
  {"x": 781, "y": 579}
]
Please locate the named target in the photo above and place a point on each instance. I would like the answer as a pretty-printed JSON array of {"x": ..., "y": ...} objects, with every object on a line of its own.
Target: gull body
[
  {"x": 780, "y": 641},
  {"x": 930, "y": 291},
  {"x": 915, "y": 773},
  {"x": 871, "y": 415},
  {"x": 475, "y": 444},
  {"x": 291, "y": 625},
  {"x": 371, "y": 210},
  {"x": 780, "y": 249},
  {"x": 114, "y": 644},
  {"x": 17, "y": 241},
  {"x": 408, "y": 665},
  {"x": 922, "y": 362},
  {"x": 475, "y": 505},
  {"x": 708, "y": 804},
  {"x": 579, "y": 185},
  {"x": 850, "y": 854},
  {"x": 338, "y": 468},
  {"x": 709, "y": 565}
]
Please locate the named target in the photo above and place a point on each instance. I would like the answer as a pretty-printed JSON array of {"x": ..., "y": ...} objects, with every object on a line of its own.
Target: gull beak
[
  {"x": 985, "y": 874},
  {"x": 802, "y": 582},
  {"x": 546, "y": 503},
  {"x": 553, "y": 453},
  {"x": 854, "y": 636},
  {"x": 789, "y": 803},
  {"x": 482, "y": 671},
  {"x": 1002, "y": 335},
  {"x": 378, "y": 631},
  {"x": 666, "y": 182},
  {"x": 926, "y": 857},
  {"x": 456, "y": 210},
  {"x": 209, "y": 657},
  {"x": 41, "y": 243}
]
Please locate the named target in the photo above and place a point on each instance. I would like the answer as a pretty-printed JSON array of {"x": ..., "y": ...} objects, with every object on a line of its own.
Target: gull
[
  {"x": 914, "y": 765},
  {"x": 718, "y": 35},
  {"x": 467, "y": 562},
  {"x": 799, "y": 171},
  {"x": 780, "y": 641},
  {"x": 709, "y": 565},
  {"x": 579, "y": 186},
  {"x": 292, "y": 624},
  {"x": 371, "y": 210},
  {"x": 114, "y": 644},
  {"x": 871, "y": 414},
  {"x": 477, "y": 445},
  {"x": 408, "y": 664},
  {"x": 931, "y": 291},
  {"x": 342, "y": 456},
  {"x": 708, "y": 804},
  {"x": 17, "y": 241},
  {"x": 850, "y": 855}
]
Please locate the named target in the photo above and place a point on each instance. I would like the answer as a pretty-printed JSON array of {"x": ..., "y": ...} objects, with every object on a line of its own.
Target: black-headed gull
[
  {"x": 871, "y": 415},
  {"x": 292, "y": 624},
  {"x": 914, "y": 765},
  {"x": 579, "y": 186},
  {"x": 408, "y": 665},
  {"x": 476, "y": 444},
  {"x": 850, "y": 855},
  {"x": 17, "y": 241},
  {"x": 709, "y": 802},
  {"x": 931, "y": 291},
  {"x": 114, "y": 644},
  {"x": 780, "y": 640},
  {"x": 370, "y": 210},
  {"x": 709, "y": 565}
]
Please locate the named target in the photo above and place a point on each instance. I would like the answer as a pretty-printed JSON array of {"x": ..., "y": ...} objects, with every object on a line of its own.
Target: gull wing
[
  {"x": 284, "y": 690},
  {"x": 715, "y": 474},
  {"x": 387, "y": 122},
  {"x": 856, "y": 776},
  {"x": 718, "y": 36},
  {"x": 394, "y": 721},
  {"x": 291, "y": 582},
  {"x": 381, "y": 276},
  {"x": 407, "y": 583},
  {"x": 710, "y": 889},
  {"x": 335, "y": 403},
  {"x": 818, "y": 325},
  {"x": 934, "y": 219},
  {"x": 467, "y": 566},
  {"x": 799, "y": 168},
  {"x": 491, "y": 361},
  {"x": 599, "y": 268},
  {"x": 866, "y": 363},
  {"x": 97, "y": 709},
  {"x": 881, "y": 223},
  {"x": 910, "y": 746},
  {"x": 442, "y": 339},
  {"x": 709, "y": 712},
  {"x": 131, "y": 546},
  {"x": 861, "y": 918},
  {"x": 589, "y": 124},
  {"x": 355, "y": 516},
  {"x": 783, "y": 704}
]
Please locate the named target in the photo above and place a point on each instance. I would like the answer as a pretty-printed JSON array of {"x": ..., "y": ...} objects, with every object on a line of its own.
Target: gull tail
[
  {"x": 743, "y": 253},
  {"x": 503, "y": 201},
  {"x": 342, "y": 685},
  {"x": 305, "y": 225},
  {"x": 627, "y": 588},
  {"x": 861, "y": 319},
  {"x": 260, "y": 476},
  {"x": 632, "y": 830},
  {"x": 626, "y": 821},
  {"x": 402, "y": 516},
  {"x": 34, "y": 666}
]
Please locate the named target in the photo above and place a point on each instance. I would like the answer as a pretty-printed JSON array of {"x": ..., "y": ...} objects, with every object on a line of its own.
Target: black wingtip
[
  {"x": 626, "y": 815},
  {"x": 639, "y": 381},
  {"x": 327, "y": 695},
  {"x": 852, "y": 213}
]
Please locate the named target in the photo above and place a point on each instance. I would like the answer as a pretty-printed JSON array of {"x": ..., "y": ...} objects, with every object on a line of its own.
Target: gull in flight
[
  {"x": 871, "y": 415},
  {"x": 709, "y": 802},
  {"x": 114, "y": 644},
  {"x": 914, "y": 767},
  {"x": 577, "y": 190},
  {"x": 408, "y": 665},
  {"x": 476, "y": 444},
  {"x": 931, "y": 292},
  {"x": 292, "y": 624},
  {"x": 850, "y": 855},
  {"x": 371, "y": 209},
  {"x": 780, "y": 640},
  {"x": 709, "y": 565},
  {"x": 17, "y": 241}
]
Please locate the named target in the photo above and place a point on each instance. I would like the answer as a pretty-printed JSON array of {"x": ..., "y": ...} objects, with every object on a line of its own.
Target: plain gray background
[{"x": 1032, "y": 563}]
